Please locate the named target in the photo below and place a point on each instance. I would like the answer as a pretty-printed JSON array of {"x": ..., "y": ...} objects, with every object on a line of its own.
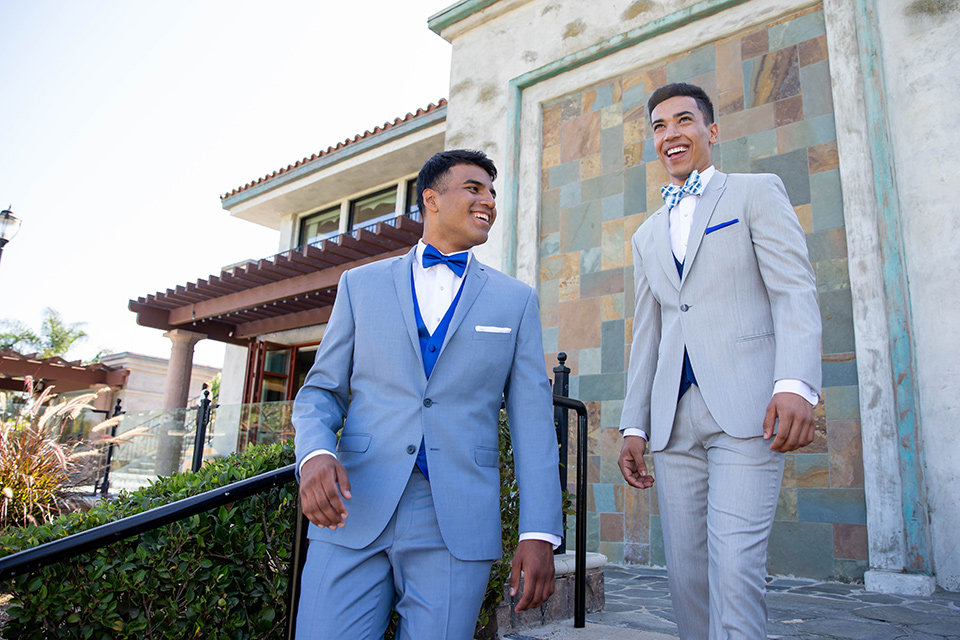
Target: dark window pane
[
  {"x": 373, "y": 208},
  {"x": 275, "y": 361},
  {"x": 320, "y": 225},
  {"x": 412, "y": 209}
]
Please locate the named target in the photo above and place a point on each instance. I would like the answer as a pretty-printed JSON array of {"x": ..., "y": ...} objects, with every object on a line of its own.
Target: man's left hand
[
  {"x": 796, "y": 422},
  {"x": 534, "y": 559}
]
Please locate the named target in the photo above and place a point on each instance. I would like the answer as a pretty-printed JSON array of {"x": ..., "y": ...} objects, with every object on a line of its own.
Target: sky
[{"x": 122, "y": 123}]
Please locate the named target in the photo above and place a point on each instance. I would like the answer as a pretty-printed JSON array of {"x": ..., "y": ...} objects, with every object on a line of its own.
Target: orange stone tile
[
  {"x": 787, "y": 111},
  {"x": 630, "y": 225},
  {"x": 632, "y": 80},
  {"x": 823, "y": 157},
  {"x": 814, "y": 477},
  {"x": 580, "y": 137},
  {"x": 617, "y": 91},
  {"x": 544, "y": 180},
  {"x": 813, "y": 50},
  {"x": 819, "y": 444},
  {"x": 657, "y": 175},
  {"x": 580, "y": 324},
  {"x": 590, "y": 167},
  {"x": 746, "y": 122},
  {"x": 611, "y": 307},
  {"x": 730, "y": 102},
  {"x": 611, "y": 116},
  {"x": 805, "y": 216},
  {"x": 656, "y": 78},
  {"x": 729, "y": 66},
  {"x": 850, "y": 541},
  {"x": 628, "y": 333},
  {"x": 754, "y": 44},
  {"x": 776, "y": 76},
  {"x": 634, "y": 131},
  {"x": 569, "y": 288},
  {"x": 846, "y": 454},
  {"x": 562, "y": 266},
  {"x": 611, "y": 527},
  {"x": 633, "y": 154},
  {"x": 551, "y": 157},
  {"x": 551, "y": 126},
  {"x": 587, "y": 98},
  {"x": 789, "y": 471}
]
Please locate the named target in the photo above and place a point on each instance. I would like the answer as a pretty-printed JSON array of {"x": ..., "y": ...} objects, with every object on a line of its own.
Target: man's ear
[
  {"x": 714, "y": 133},
  {"x": 430, "y": 199}
]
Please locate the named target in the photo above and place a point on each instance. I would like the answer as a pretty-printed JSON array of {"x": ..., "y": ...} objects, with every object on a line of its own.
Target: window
[
  {"x": 371, "y": 209},
  {"x": 318, "y": 226},
  {"x": 412, "y": 209}
]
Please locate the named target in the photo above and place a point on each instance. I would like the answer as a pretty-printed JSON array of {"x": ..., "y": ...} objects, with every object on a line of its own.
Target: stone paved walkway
[{"x": 638, "y": 608}]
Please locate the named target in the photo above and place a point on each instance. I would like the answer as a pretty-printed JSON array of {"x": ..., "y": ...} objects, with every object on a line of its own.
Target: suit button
[
  {"x": 411, "y": 449},
  {"x": 428, "y": 403},
  {"x": 684, "y": 307},
  {"x": 432, "y": 348}
]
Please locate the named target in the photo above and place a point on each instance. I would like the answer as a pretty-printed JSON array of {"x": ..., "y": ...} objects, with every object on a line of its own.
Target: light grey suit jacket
[
  {"x": 745, "y": 309},
  {"x": 369, "y": 376}
]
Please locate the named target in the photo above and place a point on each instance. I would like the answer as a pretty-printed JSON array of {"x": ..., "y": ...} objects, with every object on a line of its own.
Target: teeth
[
  {"x": 675, "y": 150},
  {"x": 482, "y": 216}
]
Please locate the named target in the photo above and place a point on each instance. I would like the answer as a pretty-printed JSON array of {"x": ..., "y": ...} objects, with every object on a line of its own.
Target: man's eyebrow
[{"x": 676, "y": 115}]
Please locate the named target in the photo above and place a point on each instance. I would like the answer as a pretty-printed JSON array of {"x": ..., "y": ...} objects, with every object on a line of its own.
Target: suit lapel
[
  {"x": 708, "y": 202},
  {"x": 403, "y": 279},
  {"x": 473, "y": 282},
  {"x": 662, "y": 243}
]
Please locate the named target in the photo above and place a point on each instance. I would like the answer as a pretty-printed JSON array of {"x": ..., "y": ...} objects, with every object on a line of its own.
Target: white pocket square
[{"x": 483, "y": 329}]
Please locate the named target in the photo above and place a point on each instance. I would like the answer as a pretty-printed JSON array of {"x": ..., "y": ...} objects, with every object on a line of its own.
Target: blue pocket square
[{"x": 721, "y": 226}]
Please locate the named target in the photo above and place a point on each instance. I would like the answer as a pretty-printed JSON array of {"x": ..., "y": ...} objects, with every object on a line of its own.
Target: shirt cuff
[
  {"x": 799, "y": 387},
  {"x": 545, "y": 537},
  {"x": 633, "y": 431},
  {"x": 314, "y": 454}
]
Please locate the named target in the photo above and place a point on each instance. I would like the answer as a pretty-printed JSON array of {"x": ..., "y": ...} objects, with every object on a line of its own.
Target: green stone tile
[
  {"x": 550, "y": 339},
  {"x": 590, "y": 362},
  {"x": 803, "y": 549},
  {"x": 590, "y": 189},
  {"x": 658, "y": 558},
  {"x": 550, "y": 211},
  {"x": 649, "y": 151},
  {"x": 611, "y": 184},
  {"x": 569, "y": 195},
  {"x": 613, "y": 551},
  {"x": 831, "y": 505},
  {"x": 580, "y": 227},
  {"x": 830, "y": 244},
  {"x": 611, "y": 240},
  {"x": 610, "y": 412},
  {"x": 806, "y": 133},
  {"x": 603, "y": 498},
  {"x": 634, "y": 190},
  {"x": 591, "y": 260},
  {"x": 611, "y": 333},
  {"x": 840, "y": 374},
  {"x": 826, "y": 200},
  {"x": 816, "y": 90},
  {"x": 604, "y": 97},
  {"x": 593, "y": 531},
  {"x": 762, "y": 144},
  {"x": 812, "y": 469},
  {"x": 733, "y": 156},
  {"x": 607, "y": 386},
  {"x": 633, "y": 97},
  {"x": 550, "y": 245},
  {"x": 832, "y": 275},
  {"x": 787, "y": 504},
  {"x": 850, "y": 570},
  {"x": 836, "y": 314},
  {"x": 575, "y": 387},
  {"x": 611, "y": 207},
  {"x": 792, "y": 169},
  {"x": 796, "y": 31},
  {"x": 842, "y": 403},
  {"x": 611, "y": 149},
  {"x": 696, "y": 63},
  {"x": 564, "y": 174}
]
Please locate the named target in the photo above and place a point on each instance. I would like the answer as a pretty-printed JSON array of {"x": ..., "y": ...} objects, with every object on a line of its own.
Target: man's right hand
[
  {"x": 632, "y": 466},
  {"x": 322, "y": 481}
]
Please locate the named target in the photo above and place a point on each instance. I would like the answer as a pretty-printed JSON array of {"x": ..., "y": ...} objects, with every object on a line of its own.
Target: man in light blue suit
[
  {"x": 417, "y": 356},
  {"x": 725, "y": 354}
]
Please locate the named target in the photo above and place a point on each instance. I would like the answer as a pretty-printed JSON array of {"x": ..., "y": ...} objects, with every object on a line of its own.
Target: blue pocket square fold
[{"x": 721, "y": 226}]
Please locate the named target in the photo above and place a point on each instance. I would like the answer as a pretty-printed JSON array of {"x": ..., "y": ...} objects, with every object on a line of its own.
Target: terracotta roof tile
[{"x": 340, "y": 145}]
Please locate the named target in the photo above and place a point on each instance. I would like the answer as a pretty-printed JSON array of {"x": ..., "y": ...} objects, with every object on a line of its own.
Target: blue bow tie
[
  {"x": 673, "y": 194},
  {"x": 456, "y": 262}
]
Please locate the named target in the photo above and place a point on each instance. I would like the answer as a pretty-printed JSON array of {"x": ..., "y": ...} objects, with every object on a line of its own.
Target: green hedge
[{"x": 218, "y": 575}]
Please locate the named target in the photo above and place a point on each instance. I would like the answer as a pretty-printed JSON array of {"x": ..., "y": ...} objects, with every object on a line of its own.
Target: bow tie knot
[
  {"x": 673, "y": 194},
  {"x": 456, "y": 262}
]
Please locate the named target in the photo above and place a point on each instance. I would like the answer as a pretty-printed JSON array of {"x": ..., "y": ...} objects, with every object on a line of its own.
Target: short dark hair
[
  {"x": 668, "y": 91},
  {"x": 435, "y": 169}
]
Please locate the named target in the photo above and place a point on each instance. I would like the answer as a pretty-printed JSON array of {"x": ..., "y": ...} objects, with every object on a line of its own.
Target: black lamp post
[{"x": 9, "y": 225}]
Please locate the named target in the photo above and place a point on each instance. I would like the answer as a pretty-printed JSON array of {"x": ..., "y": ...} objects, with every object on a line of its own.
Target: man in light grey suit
[
  {"x": 417, "y": 356},
  {"x": 725, "y": 354}
]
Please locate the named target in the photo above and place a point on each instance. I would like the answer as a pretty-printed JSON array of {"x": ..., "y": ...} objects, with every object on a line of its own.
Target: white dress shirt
[{"x": 681, "y": 220}]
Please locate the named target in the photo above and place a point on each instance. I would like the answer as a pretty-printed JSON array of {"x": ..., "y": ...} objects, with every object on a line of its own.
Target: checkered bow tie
[{"x": 673, "y": 194}]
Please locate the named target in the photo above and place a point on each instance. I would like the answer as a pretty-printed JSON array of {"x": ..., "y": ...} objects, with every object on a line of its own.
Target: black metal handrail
[{"x": 107, "y": 534}]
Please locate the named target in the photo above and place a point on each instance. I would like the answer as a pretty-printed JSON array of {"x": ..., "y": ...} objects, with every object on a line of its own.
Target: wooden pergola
[{"x": 64, "y": 374}]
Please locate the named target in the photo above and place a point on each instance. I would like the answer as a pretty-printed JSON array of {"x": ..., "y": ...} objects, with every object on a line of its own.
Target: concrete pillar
[{"x": 175, "y": 395}]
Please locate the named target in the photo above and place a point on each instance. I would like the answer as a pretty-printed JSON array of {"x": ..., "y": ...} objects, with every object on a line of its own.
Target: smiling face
[
  {"x": 461, "y": 210},
  {"x": 683, "y": 139}
]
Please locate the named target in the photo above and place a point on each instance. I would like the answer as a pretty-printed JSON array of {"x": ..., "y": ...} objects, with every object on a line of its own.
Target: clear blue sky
[{"x": 122, "y": 122}]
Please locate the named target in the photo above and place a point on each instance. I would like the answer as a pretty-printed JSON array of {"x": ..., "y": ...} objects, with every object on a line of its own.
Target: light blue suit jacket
[
  {"x": 369, "y": 377},
  {"x": 745, "y": 309}
]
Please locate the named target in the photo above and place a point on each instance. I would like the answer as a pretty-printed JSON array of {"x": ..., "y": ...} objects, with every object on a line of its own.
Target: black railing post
[
  {"x": 297, "y": 559},
  {"x": 561, "y": 387},
  {"x": 580, "y": 571},
  {"x": 105, "y": 485},
  {"x": 203, "y": 417}
]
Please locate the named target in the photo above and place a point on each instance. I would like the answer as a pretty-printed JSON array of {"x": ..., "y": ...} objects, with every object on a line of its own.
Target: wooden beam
[{"x": 285, "y": 322}]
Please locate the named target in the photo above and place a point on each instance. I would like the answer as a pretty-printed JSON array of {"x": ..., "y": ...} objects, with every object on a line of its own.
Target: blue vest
[
  {"x": 687, "y": 377},
  {"x": 430, "y": 350}
]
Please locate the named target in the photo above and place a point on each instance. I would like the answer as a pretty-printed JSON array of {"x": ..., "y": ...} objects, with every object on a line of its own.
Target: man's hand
[
  {"x": 534, "y": 559},
  {"x": 322, "y": 480},
  {"x": 796, "y": 422},
  {"x": 632, "y": 466}
]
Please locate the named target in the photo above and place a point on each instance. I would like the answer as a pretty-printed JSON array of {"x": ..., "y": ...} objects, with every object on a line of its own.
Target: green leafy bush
[{"x": 218, "y": 575}]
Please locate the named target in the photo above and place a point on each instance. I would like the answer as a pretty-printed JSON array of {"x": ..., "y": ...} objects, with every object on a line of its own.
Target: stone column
[{"x": 175, "y": 396}]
